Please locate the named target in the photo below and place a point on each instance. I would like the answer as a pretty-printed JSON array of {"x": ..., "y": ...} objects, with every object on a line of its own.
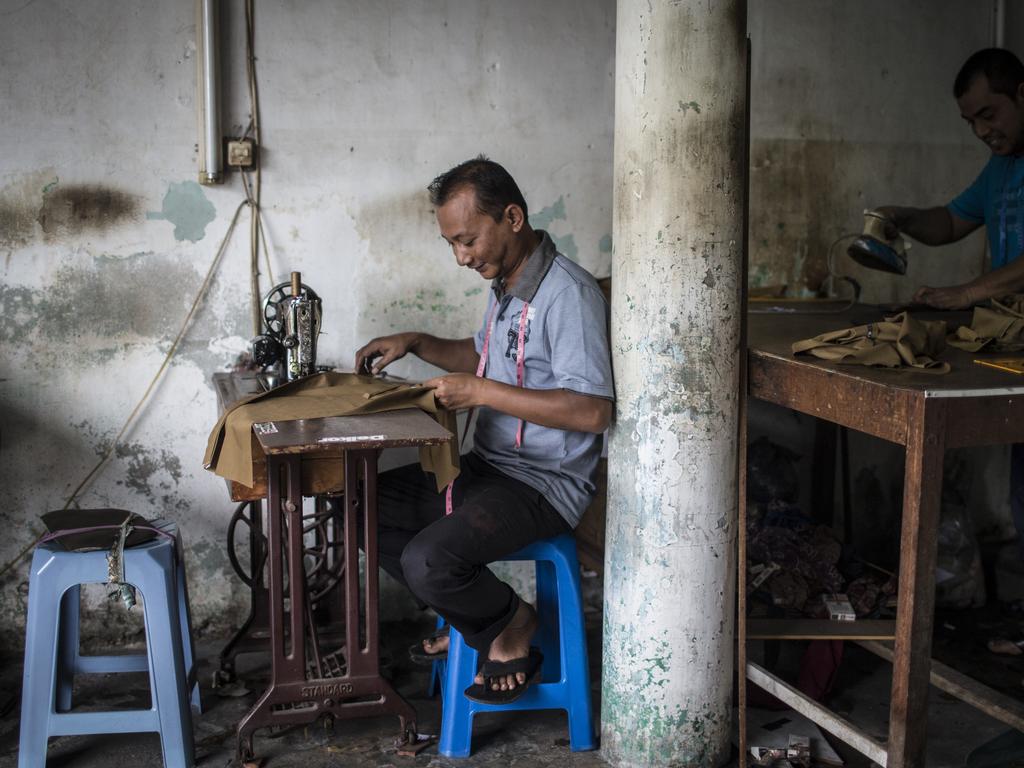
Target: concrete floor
[
  {"x": 537, "y": 738},
  {"x": 523, "y": 739}
]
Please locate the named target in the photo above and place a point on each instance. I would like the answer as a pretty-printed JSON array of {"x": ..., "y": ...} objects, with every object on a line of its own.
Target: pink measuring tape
[{"x": 482, "y": 366}]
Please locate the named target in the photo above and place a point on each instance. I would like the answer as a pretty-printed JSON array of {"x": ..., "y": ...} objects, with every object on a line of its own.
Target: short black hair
[
  {"x": 494, "y": 187},
  {"x": 1000, "y": 67}
]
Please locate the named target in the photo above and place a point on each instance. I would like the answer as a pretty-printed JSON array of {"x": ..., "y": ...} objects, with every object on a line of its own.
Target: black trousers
[{"x": 442, "y": 559}]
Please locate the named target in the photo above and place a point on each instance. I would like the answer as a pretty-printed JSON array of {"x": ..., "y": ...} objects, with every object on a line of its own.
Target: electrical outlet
[{"x": 241, "y": 153}]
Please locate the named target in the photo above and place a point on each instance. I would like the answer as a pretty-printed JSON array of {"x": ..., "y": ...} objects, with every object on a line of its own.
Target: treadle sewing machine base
[
  {"x": 322, "y": 581},
  {"x": 305, "y": 683}
]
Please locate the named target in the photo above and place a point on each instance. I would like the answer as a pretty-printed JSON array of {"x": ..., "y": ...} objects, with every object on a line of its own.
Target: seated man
[{"x": 538, "y": 374}]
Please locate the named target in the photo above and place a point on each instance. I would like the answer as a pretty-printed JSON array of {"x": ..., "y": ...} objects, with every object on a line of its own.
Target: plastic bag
[{"x": 959, "y": 579}]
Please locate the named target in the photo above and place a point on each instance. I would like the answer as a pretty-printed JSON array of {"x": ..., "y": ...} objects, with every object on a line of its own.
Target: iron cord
[{"x": 832, "y": 277}]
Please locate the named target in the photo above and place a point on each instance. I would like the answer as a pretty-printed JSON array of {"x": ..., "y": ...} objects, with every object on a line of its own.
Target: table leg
[
  {"x": 922, "y": 491},
  {"x": 284, "y": 499},
  {"x": 364, "y": 666}
]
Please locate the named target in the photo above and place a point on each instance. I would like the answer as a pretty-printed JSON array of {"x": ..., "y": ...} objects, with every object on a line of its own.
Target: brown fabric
[
  {"x": 999, "y": 328},
  {"x": 895, "y": 342},
  {"x": 232, "y": 447}
]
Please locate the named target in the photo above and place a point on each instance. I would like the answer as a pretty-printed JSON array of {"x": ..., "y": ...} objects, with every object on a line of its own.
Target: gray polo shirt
[{"x": 566, "y": 347}]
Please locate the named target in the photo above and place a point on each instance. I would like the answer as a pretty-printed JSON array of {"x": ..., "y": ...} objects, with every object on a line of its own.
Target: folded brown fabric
[
  {"x": 895, "y": 342},
  {"x": 232, "y": 447},
  {"x": 998, "y": 328}
]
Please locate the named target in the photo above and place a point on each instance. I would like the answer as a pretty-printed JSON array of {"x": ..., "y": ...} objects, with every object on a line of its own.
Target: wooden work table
[{"x": 926, "y": 413}]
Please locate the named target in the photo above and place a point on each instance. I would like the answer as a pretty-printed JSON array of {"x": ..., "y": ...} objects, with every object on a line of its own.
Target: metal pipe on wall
[
  {"x": 208, "y": 91},
  {"x": 999, "y": 24}
]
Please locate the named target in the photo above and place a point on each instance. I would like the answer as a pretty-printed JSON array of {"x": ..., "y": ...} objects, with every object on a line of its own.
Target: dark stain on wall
[
  {"x": 37, "y": 203},
  {"x": 76, "y": 208},
  {"x": 799, "y": 198},
  {"x": 143, "y": 467},
  {"x": 19, "y": 206},
  {"x": 103, "y": 304},
  {"x": 16, "y": 223}
]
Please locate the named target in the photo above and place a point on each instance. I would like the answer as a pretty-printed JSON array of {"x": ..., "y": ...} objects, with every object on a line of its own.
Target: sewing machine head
[{"x": 291, "y": 318}]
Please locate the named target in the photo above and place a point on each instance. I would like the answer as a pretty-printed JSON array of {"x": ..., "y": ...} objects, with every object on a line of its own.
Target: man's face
[
  {"x": 478, "y": 241},
  {"x": 995, "y": 118}
]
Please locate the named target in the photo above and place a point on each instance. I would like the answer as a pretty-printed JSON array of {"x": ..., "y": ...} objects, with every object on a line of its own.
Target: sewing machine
[{"x": 287, "y": 349}]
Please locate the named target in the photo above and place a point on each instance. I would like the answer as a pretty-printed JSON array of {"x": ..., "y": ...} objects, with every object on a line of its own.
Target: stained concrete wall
[
  {"x": 105, "y": 237},
  {"x": 852, "y": 108}
]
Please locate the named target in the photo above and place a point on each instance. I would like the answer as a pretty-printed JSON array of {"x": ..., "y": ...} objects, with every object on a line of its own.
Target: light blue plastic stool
[
  {"x": 565, "y": 678},
  {"x": 52, "y": 656}
]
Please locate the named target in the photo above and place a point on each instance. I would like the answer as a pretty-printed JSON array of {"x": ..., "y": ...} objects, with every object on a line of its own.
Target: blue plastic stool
[
  {"x": 565, "y": 677},
  {"x": 52, "y": 656}
]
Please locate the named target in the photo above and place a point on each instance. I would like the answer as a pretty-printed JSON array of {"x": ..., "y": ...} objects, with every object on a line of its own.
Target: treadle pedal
[
  {"x": 423, "y": 740},
  {"x": 332, "y": 664}
]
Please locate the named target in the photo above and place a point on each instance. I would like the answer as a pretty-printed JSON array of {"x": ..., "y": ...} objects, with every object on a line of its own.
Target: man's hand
[
  {"x": 556, "y": 408},
  {"x": 953, "y": 297},
  {"x": 375, "y": 356},
  {"x": 890, "y": 214},
  {"x": 458, "y": 390}
]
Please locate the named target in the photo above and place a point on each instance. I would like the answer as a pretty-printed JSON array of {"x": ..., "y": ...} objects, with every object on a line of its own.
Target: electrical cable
[
  {"x": 255, "y": 230},
  {"x": 263, "y": 237},
  {"x": 203, "y": 289}
]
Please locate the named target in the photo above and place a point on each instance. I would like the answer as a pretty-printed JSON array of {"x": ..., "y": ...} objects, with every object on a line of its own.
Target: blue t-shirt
[
  {"x": 565, "y": 347},
  {"x": 996, "y": 199}
]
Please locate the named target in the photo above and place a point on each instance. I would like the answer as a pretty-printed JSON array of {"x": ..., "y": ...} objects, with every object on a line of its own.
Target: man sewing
[
  {"x": 538, "y": 374},
  {"x": 989, "y": 89}
]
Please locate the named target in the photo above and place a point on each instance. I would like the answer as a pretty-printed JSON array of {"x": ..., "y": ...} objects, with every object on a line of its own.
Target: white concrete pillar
[{"x": 672, "y": 498}]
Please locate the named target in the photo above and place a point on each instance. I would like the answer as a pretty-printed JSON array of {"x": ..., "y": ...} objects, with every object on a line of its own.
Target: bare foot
[
  {"x": 512, "y": 643},
  {"x": 435, "y": 645}
]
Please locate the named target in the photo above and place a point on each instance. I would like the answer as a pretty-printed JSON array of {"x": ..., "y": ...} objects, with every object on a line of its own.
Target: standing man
[
  {"x": 538, "y": 373},
  {"x": 989, "y": 90}
]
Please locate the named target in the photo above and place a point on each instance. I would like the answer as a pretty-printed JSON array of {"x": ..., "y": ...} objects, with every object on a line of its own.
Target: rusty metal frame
[{"x": 304, "y": 685}]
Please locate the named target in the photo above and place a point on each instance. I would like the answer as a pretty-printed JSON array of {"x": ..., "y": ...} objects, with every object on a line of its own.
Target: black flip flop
[
  {"x": 419, "y": 655},
  {"x": 528, "y": 665}
]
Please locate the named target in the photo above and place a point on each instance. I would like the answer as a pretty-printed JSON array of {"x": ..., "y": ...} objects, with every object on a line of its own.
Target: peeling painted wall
[{"x": 105, "y": 237}]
